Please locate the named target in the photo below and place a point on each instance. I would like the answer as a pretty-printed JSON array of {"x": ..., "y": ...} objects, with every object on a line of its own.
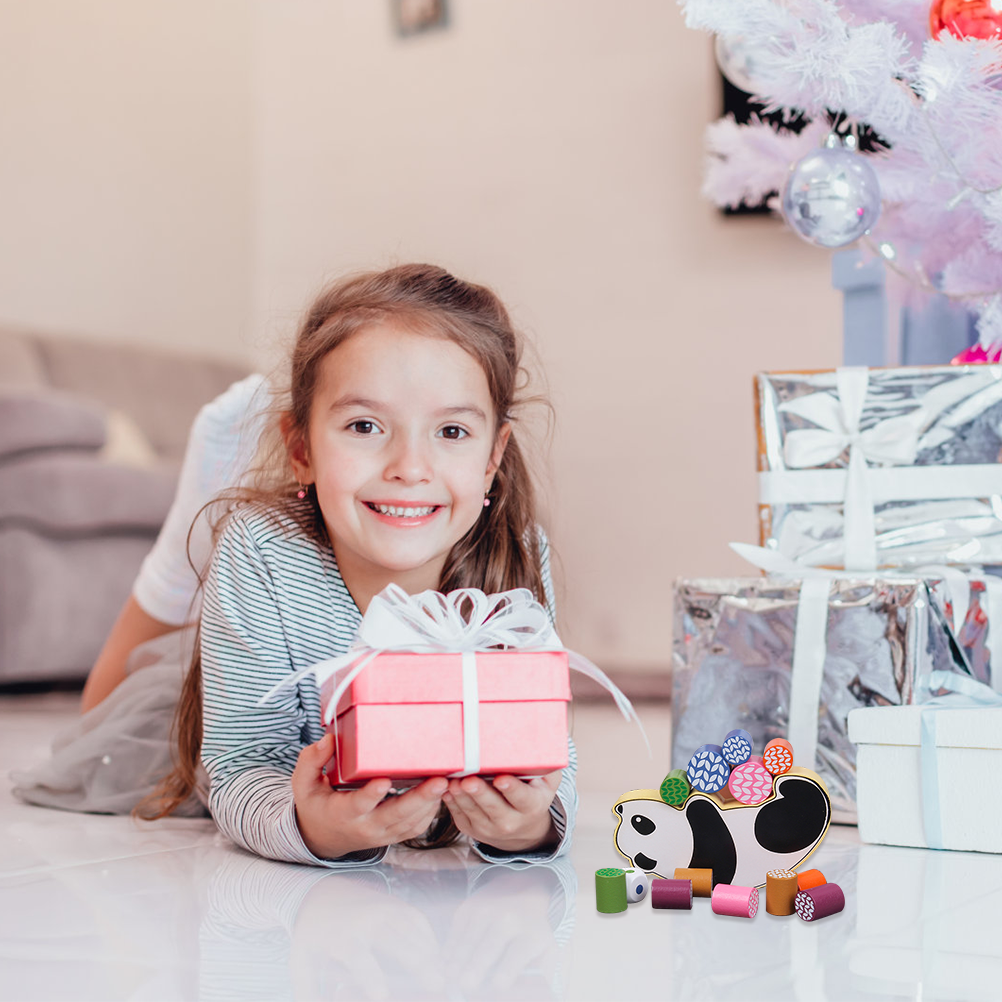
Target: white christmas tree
[{"x": 936, "y": 100}]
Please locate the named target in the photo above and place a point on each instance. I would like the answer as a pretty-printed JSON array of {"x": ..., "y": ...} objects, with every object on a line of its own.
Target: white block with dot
[{"x": 637, "y": 884}]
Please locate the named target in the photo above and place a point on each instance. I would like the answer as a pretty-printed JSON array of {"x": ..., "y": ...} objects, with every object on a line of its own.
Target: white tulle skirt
[{"x": 116, "y": 754}]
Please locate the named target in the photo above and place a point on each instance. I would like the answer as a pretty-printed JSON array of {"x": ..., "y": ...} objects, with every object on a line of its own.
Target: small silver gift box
[
  {"x": 791, "y": 657},
  {"x": 865, "y": 468}
]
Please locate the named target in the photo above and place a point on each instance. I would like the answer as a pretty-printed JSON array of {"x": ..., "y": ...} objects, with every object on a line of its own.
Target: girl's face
[{"x": 402, "y": 448}]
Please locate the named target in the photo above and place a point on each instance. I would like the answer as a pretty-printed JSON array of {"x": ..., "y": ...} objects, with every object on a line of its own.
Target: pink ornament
[
  {"x": 978, "y": 353},
  {"x": 966, "y": 18},
  {"x": 750, "y": 782}
]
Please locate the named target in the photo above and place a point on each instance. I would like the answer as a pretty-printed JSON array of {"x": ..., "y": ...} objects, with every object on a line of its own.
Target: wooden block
[
  {"x": 810, "y": 878},
  {"x": 671, "y": 893},
  {"x": 610, "y": 889},
  {"x": 708, "y": 770},
  {"x": 637, "y": 884},
  {"x": 702, "y": 880},
  {"x": 780, "y": 890},
  {"x": 750, "y": 782},
  {"x": 675, "y": 788},
  {"x": 778, "y": 756},
  {"x": 737, "y": 746},
  {"x": 728, "y": 899},
  {"x": 817, "y": 902}
]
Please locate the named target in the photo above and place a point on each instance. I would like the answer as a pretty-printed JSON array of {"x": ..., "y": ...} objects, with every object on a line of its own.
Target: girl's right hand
[{"x": 336, "y": 822}]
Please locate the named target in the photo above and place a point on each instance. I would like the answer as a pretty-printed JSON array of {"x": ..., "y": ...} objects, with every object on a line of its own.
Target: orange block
[
  {"x": 809, "y": 879},
  {"x": 778, "y": 756}
]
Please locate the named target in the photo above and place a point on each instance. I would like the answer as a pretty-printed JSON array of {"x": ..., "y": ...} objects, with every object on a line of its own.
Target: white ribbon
[
  {"x": 811, "y": 629},
  {"x": 463, "y": 621},
  {"x": 949, "y": 691},
  {"x": 893, "y": 442}
]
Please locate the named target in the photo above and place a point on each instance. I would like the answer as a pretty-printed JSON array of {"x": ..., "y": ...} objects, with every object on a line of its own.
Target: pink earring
[
  {"x": 487, "y": 502},
  {"x": 301, "y": 493}
]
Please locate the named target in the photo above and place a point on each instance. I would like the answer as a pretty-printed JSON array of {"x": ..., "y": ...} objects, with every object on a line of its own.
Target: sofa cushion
[
  {"x": 70, "y": 494},
  {"x": 160, "y": 390},
  {"x": 59, "y": 600},
  {"x": 21, "y": 365},
  {"x": 47, "y": 419}
]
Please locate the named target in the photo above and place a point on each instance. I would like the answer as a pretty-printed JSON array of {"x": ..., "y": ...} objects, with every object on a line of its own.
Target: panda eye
[{"x": 643, "y": 825}]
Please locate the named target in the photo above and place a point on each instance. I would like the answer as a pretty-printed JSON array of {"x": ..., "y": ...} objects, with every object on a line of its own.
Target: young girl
[{"x": 399, "y": 464}]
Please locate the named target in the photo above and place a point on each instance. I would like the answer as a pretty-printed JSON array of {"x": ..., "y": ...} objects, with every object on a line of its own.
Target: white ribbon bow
[
  {"x": 463, "y": 621},
  {"x": 893, "y": 441},
  {"x": 431, "y": 621}
]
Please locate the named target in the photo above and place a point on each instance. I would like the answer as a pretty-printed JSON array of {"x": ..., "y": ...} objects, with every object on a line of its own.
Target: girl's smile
[
  {"x": 402, "y": 446},
  {"x": 403, "y": 514}
]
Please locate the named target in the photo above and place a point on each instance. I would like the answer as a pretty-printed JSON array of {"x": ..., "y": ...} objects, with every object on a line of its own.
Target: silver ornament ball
[
  {"x": 740, "y": 62},
  {"x": 832, "y": 196}
]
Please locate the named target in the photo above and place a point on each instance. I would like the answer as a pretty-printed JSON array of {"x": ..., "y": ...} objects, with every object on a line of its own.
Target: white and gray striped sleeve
[
  {"x": 564, "y": 808},
  {"x": 250, "y": 750}
]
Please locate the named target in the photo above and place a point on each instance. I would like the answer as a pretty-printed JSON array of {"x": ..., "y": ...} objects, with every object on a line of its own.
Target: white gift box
[{"x": 967, "y": 784}]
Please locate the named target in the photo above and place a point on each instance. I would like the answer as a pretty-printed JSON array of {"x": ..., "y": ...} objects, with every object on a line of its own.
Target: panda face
[{"x": 653, "y": 836}]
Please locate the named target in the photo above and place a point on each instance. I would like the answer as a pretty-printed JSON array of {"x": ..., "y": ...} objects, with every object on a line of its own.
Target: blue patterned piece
[
  {"x": 707, "y": 770},
  {"x": 737, "y": 747}
]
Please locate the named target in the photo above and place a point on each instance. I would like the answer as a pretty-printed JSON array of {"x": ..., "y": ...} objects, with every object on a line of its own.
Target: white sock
[{"x": 221, "y": 445}]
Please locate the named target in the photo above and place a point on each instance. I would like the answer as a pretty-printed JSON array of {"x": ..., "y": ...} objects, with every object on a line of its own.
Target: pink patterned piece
[{"x": 750, "y": 782}]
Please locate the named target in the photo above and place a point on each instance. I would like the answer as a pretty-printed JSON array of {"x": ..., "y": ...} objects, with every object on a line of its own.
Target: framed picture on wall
[{"x": 412, "y": 17}]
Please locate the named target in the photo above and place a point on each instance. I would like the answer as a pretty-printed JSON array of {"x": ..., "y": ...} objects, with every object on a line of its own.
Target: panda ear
[{"x": 619, "y": 809}]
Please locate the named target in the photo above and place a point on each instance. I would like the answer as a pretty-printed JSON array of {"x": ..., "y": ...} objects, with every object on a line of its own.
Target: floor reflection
[
  {"x": 422, "y": 925},
  {"x": 927, "y": 923}
]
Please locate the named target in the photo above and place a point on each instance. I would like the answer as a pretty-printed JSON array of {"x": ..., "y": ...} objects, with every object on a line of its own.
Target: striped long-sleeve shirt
[{"x": 275, "y": 603}]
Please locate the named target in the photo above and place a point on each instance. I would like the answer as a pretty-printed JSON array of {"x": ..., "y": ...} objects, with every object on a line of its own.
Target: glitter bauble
[
  {"x": 832, "y": 197},
  {"x": 966, "y": 18}
]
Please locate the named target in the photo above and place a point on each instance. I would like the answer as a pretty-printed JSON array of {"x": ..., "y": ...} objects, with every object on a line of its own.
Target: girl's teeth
[{"x": 384, "y": 509}]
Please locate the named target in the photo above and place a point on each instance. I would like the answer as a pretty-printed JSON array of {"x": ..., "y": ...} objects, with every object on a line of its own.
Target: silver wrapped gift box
[
  {"x": 897, "y": 467},
  {"x": 869, "y": 642}
]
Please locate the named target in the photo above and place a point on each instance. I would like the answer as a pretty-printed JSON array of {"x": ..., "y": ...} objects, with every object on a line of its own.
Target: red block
[{"x": 402, "y": 717}]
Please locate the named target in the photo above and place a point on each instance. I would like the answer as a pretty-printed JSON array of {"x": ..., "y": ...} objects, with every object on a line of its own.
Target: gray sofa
[{"x": 91, "y": 439}]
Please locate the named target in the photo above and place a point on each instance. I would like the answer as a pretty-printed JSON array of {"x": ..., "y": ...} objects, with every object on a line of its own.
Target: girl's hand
[
  {"x": 336, "y": 822},
  {"x": 508, "y": 814}
]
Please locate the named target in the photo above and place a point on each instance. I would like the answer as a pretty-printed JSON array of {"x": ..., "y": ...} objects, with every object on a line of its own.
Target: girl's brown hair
[{"x": 500, "y": 552}]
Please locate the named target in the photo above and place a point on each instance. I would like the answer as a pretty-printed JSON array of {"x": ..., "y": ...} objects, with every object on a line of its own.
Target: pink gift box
[{"x": 402, "y": 717}]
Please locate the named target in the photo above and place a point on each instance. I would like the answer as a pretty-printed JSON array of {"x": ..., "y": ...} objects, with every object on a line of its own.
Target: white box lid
[{"x": 977, "y": 727}]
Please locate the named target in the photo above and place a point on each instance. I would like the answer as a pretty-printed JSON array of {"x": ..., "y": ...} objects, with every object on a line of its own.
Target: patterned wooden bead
[
  {"x": 778, "y": 756},
  {"x": 707, "y": 770},
  {"x": 737, "y": 746},
  {"x": 818, "y": 902},
  {"x": 675, "y": 788},
  {"x": 750, "y": 782},
  {"x": 728, "y": 899}
]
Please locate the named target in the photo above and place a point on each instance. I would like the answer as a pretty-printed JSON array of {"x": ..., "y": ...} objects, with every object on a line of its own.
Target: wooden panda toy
[{"x": 739, "y": 842}]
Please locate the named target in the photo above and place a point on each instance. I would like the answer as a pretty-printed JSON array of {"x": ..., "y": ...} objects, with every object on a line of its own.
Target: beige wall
[
  {"x": 551, "y": 149},
  {"x": 125, "y": 208}
]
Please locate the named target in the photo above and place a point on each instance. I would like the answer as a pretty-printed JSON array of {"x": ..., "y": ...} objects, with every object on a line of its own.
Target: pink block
[
  {"x": 729, "y": 899},
  {"x": 402, "y": 717},
  {"x": 750, "y": 782}
]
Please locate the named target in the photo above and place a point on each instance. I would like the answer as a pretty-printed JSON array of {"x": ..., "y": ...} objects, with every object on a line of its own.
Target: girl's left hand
[{"x": 509, "y": 814}]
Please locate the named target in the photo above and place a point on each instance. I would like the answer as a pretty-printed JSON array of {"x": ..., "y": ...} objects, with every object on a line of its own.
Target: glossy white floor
[{"x": 105, "y": 908}]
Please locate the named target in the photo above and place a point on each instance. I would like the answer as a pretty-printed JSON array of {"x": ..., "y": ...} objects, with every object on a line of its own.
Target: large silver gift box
[
  {"x": 736, "y": 641},
  {"x": 898, "y": 467}
]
